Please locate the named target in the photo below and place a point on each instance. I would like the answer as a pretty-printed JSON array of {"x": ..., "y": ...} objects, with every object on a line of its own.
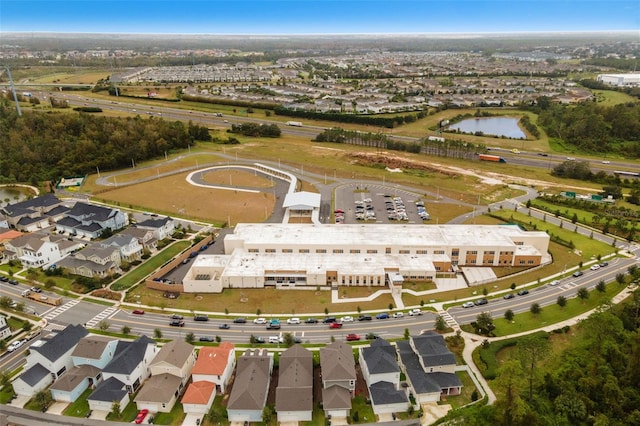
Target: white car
[
  {"x": 15, "y": 345},
  {"x": 260, "y": 321},
  {"x": 397, "y": 315},
  {"x": 468, "y": 305},
  {"x": 554, "y": 282},
  {"x": 415, "y": 312},
  {"x": 293, "y": 321},
  {"x": 595, "y": 267},
  {"x": 346, "y": 319}
]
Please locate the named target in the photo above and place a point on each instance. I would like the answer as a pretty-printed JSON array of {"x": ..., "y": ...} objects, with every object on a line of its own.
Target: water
[{"x": 497, "y": 126}]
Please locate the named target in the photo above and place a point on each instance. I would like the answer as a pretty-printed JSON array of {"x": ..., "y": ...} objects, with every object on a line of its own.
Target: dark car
[
  {"x": 508, "y": 296},
  {"x": 364, "y": 318},
  {"x": 383, "y": 315},
  {"x": 603, "y": 264},
  {"x": 204, "y": 247},
  {"x": 177, "y": 323},
  {"x": 578, "y": 274},
  {"x": 258, "y": 339},
  {"x": 12, "y": 282},
  {"x": 311, "y": 321},
  {"x": 240, "y": 321},
  {"x": 3, "y": 278},
  {"x": 224, "y": 326},
  {"x": 523, "y": 292},
  {"x": 200, "y": 318},
  {"x": 482, "y": 301},
  {"x": 176, "y": 317},
  {"x": 206, "y": 339},
  {"x": 329, "y": 320}
]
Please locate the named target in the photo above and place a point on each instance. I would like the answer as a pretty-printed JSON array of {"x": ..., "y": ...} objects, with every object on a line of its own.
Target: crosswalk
[
  {"x": 52, "y": 313},
  {"x": 451, "y": 322},
  {"x": 107, "y": 313}
]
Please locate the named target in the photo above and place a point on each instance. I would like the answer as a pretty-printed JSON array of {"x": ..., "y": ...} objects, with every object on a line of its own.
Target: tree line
[
  {"x": 388, "y": 122},
  {"x": 256, "y": 130},
  {"x": 39, "y": 147}
]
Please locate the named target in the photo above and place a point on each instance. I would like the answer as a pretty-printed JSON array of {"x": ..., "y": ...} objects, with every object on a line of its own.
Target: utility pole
[{"x": 13, "y": 89}]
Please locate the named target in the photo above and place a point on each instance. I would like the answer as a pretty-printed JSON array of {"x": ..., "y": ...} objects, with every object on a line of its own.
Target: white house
[
  {"x": 32, "y": 250},
  {"x": 162, "y": 227},
  {"x": 5, "y": 331},
  {"x": 94, "y": 350},
  {"x": 381, "y": 371},
  {"x": 129, "y": 246},
  {"x": 131, "y": 362}
]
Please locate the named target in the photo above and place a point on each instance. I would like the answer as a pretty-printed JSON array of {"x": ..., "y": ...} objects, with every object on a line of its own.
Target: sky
[{"x": 318, "y": 17}]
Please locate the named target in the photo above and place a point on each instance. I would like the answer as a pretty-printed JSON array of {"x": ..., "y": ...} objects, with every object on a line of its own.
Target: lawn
[
  {"x": 612, "y": 97},
  {"x": 361, "y": 411},
  {"x": 80, "y": 407},
  {"x": 145, "y": 269},
  {"x": 173, "y": 418},
  {"x": 128, "y": 413},
  {"x": 567, "y": 212},
  {"x": 218, "y": 412},
  {"x": 553, "y": 314}
]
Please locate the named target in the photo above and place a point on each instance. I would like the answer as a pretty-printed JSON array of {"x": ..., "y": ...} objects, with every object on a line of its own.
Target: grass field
[{"x": 612, "y": 97}]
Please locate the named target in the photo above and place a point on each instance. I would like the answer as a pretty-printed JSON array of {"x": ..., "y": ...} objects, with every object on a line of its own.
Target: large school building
[{"x": 310, "y": 255}]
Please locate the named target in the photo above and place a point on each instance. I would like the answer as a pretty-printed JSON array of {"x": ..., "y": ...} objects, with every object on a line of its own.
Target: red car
[
  {"x": 138, "y": 311},
  {"x": 335, "y": 325},
  {"x": 141, "y": 415},
  {"x": 352, "y": 337}
]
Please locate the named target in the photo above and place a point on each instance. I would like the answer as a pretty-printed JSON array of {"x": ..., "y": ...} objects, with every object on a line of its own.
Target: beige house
[
  {"x": 338, "y": 378},
  {"x": 249, "y": 393},
  {"x": 294, "y": 394}
]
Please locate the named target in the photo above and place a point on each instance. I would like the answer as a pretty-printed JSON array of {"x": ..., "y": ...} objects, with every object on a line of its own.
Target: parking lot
[{"x": 378, "y": 204}]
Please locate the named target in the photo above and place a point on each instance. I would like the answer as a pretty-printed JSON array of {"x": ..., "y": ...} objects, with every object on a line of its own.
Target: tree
[
  {"x": 562, "y": 301},
  {"x": 288, "y": 340},
  {"x": 531, "y": 350},
  {"x": 510, "y": 381},
  {"x": 583, "y": 294},
  {"x": 104, "y": 325},
  {"x": 116, "y": 410},
  {"x": 535, "y": 308},
  {"x": 126, "y": 330},
  {"x": 509, "y": 315},
  {"x": 484, "y": 323},
  {"x": 157, "y": 333},
  {"x": 620, "y": 278},
  {"x": 407, "y": 334},
  {"x": 440, "y": 324},
  {"x": 43, "y": 399},
  {"x": 601, "y": 286},
  {"x": 5, "y": 302},
  {"x": 189, "y": 338}
]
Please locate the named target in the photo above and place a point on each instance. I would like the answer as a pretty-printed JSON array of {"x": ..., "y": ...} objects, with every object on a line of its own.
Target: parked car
[
  {"x": 260, "y": 321},
  {"x": 554, "y": 282},
  {"x": 329, "y": 320},
  {"x": 240, "y": 321},
  {"x": 398, "y": 315},
  {"x": 364, "y": 318},
  {"x": 275, "y": 339},
  {"x": 258, "y": 339},
  {"x": 12, "y": 282},
  {"x": 176, "y": 323},
  {"x": 138, "y": 312},
  {"x": 3, "y": 278},
  {"x": 383, "y": 315},
  {"x": 335, "y": 325},
  {"x": 371, "y": 336},
  {"x": 595, "y": 267},
  {"x": 415, "y": 312},
  {"x": 523, "y": 292},
  {"x": 15, "y": 345},
  {"x": 508, "y": 296},
  {"x": 348, "y": 318},
  {"x": 224, "y": 326},
  {"x": 206, "y": 339},
  {"x": 482, "y": 301},
  {"x": 311, "y": 321},
  {"x": 200, "y": 318},
  {"x": 352, "y": 337},
  {"x": 176, "y": 317},
  {"x": 578, "y": 274},
  {"x": 468, "y": 305},
  {"x": 142, "y": 414},
  {"x": 603, "y": 264},
  {"x": 293, "y": 320}
]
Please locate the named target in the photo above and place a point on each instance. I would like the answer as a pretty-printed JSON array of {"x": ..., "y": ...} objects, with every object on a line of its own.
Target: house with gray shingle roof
[
  {"x": 294, "y": 394},
  {"x": 95, "y": 260},
  {"x": 382, "y": 373},
  {"x": 338, "y": 378},
  {"x": 131, "y": 362},
  {"x": 32, "y": 380},
  {"x": 129, "y": 246},
  {"x": 32, "y": 208},
  {"x": 89, "y": 220},
  {"x": 106, "y": 393},
  {"x": 249, "y": 393},
  {"x": 429, "y": 367},
  {"x": 161, "y": 227},
  {"x": 33, "y": 250}
]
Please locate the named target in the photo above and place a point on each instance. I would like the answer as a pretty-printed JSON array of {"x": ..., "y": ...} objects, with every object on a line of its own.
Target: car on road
[
  {"x": 240, "y": 321},
  {"x": 293, "y": 320},
  {"x": 335, "y": 325},
  {"x": 482, "y": 301},
  {"x": 329, "y": 320},
  {"x": 176, "y": 317},
  {"x": 415, "y": 312},
  {"x": 138, "y": 312},
  {"x": 554, "y": 282},
  {"x": 523, "y": 292},
  {"x": 142, "y": 414},
  {"x": 383, "y": 315},
  {"x": 36, "y": 289},
  {"x": 578, "y": 274},
  {"x": 3, "y": 278},
  {"x": 275, "y": 339},
  {"x": 468, "y": 305},
  {"x": 348, "y": 318},
  {"x": 603, "y": 264},
  {"x": 508, "y": 296},
  {"x": 12, "y": 282},
  {"x": 224, "y": 326},
  {"x": 176, "y": 323},
  {"x": 274, "y": 324},
  {"x": 260, "y": 321},
  {"x": 311, "y": 321},
  {"x": 15, "y": 345},
  {"x": 200, "y": 318},
  {"x": 371, "y": 336},
  {"x": 258, "y": 339},
  {"x": 397, "y": 315},
  {"x": 595, "y": 267},
  {"x": 351, "y": 337},
  {"x": 206, "y": 339},
  {"x": 364, "y": 318}
]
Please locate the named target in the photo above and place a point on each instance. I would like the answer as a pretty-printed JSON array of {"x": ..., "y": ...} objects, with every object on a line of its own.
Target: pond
[
  {"x": 495, "y": 126},
  {"x": 12, "y": 194}
]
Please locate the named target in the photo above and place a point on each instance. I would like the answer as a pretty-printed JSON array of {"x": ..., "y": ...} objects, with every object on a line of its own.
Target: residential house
[
  {"x": 294, "y": 394},
  {"x": 130, "y": 363},
  {"x": 429, "y": 367},
  {"x": 5, "y": 331},
  {"x": 146, "y": 237},
  {"x": 198, "y": 397},
  {"x": 74, "y": 381},
  {"x": 95, "y": 260},
  {"x": 94, "y": 350},
  {"x": 251, "y": 386},
  {"x": 215, "y": 365},
  {"x": 381, "y": 371},
  {"x": 170, "y": 372},
  {"x": 31, "y": 212},
  {"x": 51, "y": 355},
  {"x": 32, "y": 250},
  {"x": 161, "y": 227},
  {"x": 106, "y": 393},
  {"x": 89, "y": 221},
  {"x": 338, "y": 378},
  {"x": 129, "y": 246}
]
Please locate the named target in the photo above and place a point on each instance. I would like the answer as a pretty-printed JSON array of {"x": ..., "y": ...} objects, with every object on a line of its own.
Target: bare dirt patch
[{"x": 235, "y": 177}]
